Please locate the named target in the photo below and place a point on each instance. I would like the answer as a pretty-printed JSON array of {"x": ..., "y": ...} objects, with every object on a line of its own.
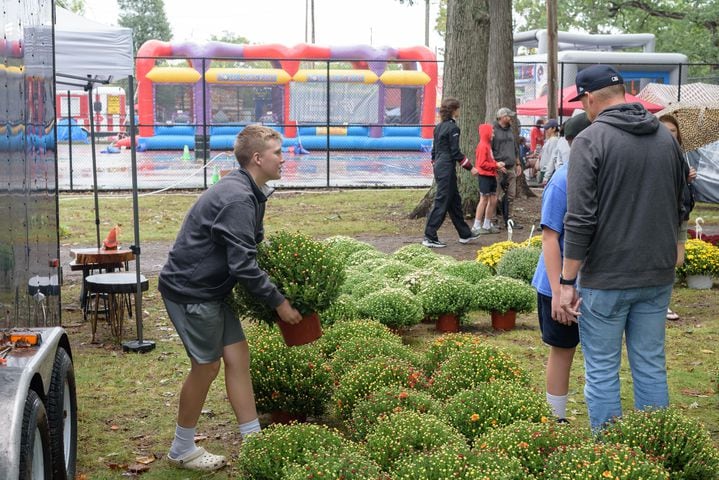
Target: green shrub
[
  {"x": 467, "y": 270},
  {"x": 304, "y": 270},
  {"x": 442, "y": 347},
  {"x": 369, "y": 377},
  {"x": 394, "y": 270},
  {"x": 357, "y": 350},
  {"x": 494, "y": 404},
  {"x": 353, "y": 278},
  {"x": 500, "y": 294},
  {"x": 417, "y": 280},
  {"x": 408, "y": 433},
  {"x": 342, "y": 246},
  {"x": 445, "y": 295},
  {"x": 415, "y": 255},
  {"x": 531, "y": 443},
  {"x": 292, "y": 379},
  {"x": 342, "y": 310},
  {"x": 385, "y": 401},
  {"x": 394, "y": 307},
  {"x": 347, "y": 465},
  {"x": 519, "y": 263},
  {"x": 371, "y": 263},
  {"x": 682, "y": 444},
  {"x": 373, "y": 284},
  {"x": 360, "y": 257},
  {"x": 265, "y": 456},
  {"x": 602, "y": 461},
  {"x": 340, "y": 333},
  {"x": 473, "y": 365},
  {"x": 446, "y": 463}
]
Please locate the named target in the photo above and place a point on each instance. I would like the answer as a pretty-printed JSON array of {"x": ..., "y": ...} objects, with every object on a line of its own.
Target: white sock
[
  {"x": 477, "y": 224},
  {"x": 253, "y": 426},
  {"x": 558, "y": 403},
  {"x": 183, "y": 443},
  {"x": 487, "y": 225}
]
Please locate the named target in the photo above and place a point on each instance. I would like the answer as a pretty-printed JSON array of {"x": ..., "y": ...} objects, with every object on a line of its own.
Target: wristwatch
[{"x": 567, "y": 281}]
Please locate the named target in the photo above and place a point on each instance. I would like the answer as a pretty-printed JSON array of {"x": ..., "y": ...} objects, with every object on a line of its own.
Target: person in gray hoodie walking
[
  {"x": 506, "y": 150},
  {"x": 625, "y": 189},
  {"x": 215, "y": 249}
]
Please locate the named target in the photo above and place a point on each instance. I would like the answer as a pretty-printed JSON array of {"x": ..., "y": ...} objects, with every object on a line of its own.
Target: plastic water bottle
[{"x": 215, "y": 175}]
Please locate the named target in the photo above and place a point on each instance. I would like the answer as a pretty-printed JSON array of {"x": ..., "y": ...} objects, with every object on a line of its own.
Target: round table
[{"x": 114, "y": 285}]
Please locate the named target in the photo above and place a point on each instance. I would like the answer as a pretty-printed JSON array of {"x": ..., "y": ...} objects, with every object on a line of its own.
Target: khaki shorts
[{"x": 205, "y": 328}]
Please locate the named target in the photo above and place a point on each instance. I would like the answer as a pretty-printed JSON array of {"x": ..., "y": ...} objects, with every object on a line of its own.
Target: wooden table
[
  {"x": 90, "y": 259},
  {"x": 115, "y": 286}
]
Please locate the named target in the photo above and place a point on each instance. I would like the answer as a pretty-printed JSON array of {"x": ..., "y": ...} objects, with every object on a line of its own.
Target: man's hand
[
  {"x": 559, "y": 315},
  {"x": 518, "y": 168},
  {"x": 692, "y": 175},
  {"x": 288, "y": 313},
  {"x": 474, "y": 171},
  {"x": 569, "y": 302}
]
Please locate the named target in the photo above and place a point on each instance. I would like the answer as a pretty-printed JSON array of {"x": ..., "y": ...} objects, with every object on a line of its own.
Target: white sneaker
[{"x": 427, "y": 242}]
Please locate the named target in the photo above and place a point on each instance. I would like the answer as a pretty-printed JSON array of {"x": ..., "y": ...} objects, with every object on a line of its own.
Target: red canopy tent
[{"x": 538, "y": 107}]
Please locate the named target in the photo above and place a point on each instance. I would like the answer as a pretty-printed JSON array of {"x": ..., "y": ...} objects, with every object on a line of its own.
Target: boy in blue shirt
[{"x": 559, "y": 330}]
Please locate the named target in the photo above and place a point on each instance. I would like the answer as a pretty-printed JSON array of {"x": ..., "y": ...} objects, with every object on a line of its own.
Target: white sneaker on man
[{"x": 428, "y": 242}]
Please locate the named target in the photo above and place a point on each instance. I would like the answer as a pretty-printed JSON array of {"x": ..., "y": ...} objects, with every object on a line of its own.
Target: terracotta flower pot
[
  {"x": 306, "y": 331},
  {"x": 504, "y": 321},
  {"x": 448, "y": 323},
  {"x": 284, "y": 417}
]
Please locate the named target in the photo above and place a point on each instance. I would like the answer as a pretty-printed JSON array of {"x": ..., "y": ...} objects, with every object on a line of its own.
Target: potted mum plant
[
  {"x": 504, "y": 297},
  {"x": 307, "y": 274},
  {"x": 446, "y": 299},
  {"x": 701, "y": 263}
]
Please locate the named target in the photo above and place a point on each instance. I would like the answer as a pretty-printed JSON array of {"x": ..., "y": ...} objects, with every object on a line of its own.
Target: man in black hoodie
[
  {"x": 624, "y": 209},
  {"x": 216, "y": 248}
]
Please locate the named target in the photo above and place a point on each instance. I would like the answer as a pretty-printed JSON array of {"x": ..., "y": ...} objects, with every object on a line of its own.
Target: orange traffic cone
[{"x": 110, "y": 242}]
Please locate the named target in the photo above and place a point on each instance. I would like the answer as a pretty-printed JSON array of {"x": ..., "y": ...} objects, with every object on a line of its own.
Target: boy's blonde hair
[{"x": 253, "y": 139}]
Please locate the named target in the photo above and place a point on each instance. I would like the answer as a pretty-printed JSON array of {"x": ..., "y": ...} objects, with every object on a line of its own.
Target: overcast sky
[{"x": 337, "y": 22}]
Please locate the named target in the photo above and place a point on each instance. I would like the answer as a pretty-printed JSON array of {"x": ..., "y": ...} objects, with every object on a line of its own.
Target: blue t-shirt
[{"x": 554, "y": 207}]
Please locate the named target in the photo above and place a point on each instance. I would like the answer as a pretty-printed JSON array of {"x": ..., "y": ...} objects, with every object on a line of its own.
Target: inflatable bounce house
[{"x": 379, "y": 98}]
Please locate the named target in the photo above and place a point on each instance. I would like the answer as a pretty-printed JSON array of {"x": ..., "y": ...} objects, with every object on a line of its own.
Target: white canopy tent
[{"x": 84, "y": 47}]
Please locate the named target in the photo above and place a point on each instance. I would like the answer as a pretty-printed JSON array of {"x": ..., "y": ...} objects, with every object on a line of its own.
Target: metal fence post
[
  {"x": 328, "y": 123},
  {"x": 679, "y": 85},
  {"x": 204, "y": 124},
  {"x": 69, "y": 136}
]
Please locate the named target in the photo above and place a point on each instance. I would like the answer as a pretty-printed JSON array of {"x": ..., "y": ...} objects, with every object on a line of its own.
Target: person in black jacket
[{"x": 445, "y": 154}]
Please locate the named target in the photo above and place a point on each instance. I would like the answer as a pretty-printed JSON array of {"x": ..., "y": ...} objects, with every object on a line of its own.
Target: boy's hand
[{"x": 288, "y": 313}]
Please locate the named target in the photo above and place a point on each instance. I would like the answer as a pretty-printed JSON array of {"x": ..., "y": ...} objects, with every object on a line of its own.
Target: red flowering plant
[{"x": 307, "y": 273}]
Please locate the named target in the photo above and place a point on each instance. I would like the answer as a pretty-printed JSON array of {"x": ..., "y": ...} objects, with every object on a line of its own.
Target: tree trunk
[{"x": 465, "y": 78}]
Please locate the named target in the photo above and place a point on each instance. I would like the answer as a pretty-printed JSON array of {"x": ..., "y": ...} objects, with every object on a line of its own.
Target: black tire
[
  {"x": 34, "y": 428},
  {"x": 62, "y": 415}
]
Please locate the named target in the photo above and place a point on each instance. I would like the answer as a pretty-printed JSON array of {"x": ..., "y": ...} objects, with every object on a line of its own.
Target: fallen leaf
[
  {"x": 690, "y": 392},
  {"x": 137, "y": 468},
  {"x": 199, "y": 438},
  {"x": 116, "y": 466},
  {"x": 706, "y": 351},
  {"x": 145, "y": 460},
  {"x": 114, "y": 427}
]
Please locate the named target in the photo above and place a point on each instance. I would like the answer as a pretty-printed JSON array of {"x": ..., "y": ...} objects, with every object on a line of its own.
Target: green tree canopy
[
  {"x": 146, "y": 18},
  {"x": 77, "y": 6}
]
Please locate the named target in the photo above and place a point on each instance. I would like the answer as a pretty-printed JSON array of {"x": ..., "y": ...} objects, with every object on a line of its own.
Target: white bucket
[{"x": 700, "y": 282}]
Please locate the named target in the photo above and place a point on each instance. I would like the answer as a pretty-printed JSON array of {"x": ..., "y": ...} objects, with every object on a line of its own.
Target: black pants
[{"x": 447, "y": 200}]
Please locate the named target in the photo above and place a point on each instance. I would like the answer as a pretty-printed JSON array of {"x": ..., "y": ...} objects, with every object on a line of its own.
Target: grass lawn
[{"x": 128, "y": 402}]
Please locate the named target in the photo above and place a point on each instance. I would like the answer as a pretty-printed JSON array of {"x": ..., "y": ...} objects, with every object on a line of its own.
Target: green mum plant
[
  {"x": 600, "y": 462},
  {"x": 535, "y": 241},
  {"x": 353, "y": 278},
  {"x": 415, "y": 255},
  {"x": 304, "y": 270},
  {"x": 339, "y": 333},
  {"x": 447, "y": 462},
  {"x": 361, "y": 256},
  {"x": 417, "y": 280},
  {"x": 495, "y": 404},
  {"x": 473, "y": 365},
  {"x": 394, "y": 307},
  {"x": 341, "y": 310},
  {"x": 446, "y": 296},
  {"x": 682, "y": 444},
  {"x": 408, "y": 433},
  {"x": 500, "y": 294},
  {"x": 265, "y": 456},
  {"x": 700, "y": 258},
  {"x": 296, "y": 380},
  {"x": 385, "y": 401},
  {"x": 373, "y": 284},
  {"x": 358, "y": 350},
  {"x": 443, "y": 347},
  {"x": 531, "y": 443},
  {"x": 369, "y": 377},
  {"x": 348, "y": 465},
  {"x": 519, "y": 263},
  {"x": 469, "y": 271},
  {"x": 394, "y": 270},
  {"x": 342, "y": 246}
]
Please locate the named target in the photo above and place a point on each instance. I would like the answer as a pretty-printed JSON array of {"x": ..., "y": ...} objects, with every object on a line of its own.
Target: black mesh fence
[{"x": 344, "y": 123}]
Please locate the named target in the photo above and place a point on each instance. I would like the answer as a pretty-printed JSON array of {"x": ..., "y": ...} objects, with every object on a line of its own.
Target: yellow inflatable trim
[
  {"x": 173, "y": 75},
  {"x": 320, "y": 75},
  {"x": 247, "y": 76},
  {"x": 404, "y": 77}
]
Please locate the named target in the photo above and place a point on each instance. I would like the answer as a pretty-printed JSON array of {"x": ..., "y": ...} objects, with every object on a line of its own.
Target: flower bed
[
  {"x": 600, "y": 461},
  {"x": 468, "y": 271},
  {"x": 415, "y": 255},
  {"x": 700, "y": 258},
  {"x": 357, "y": 350},
  {"x": 347, "y": 465},
  {"x": 343, "y": 309},
  {"x": 443, "y": 347},
  {"x": 342, "y": 332},
  {"x": 501, "y": 294},
  {"x": 342, "y": 246},
  {"x": 449, "y": 463},
  {"x": 394, "y": 307},
  {"x": 492, "y": 254}
]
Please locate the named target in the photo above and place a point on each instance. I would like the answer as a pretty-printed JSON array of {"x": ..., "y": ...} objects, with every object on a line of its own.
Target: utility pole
[
  {"x": 426, "y": 23},
  {"x": 307, "y": 14},
  {"x": 552, "y": 59}
]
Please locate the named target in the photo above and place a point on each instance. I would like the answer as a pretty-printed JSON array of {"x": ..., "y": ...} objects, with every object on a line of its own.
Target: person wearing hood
[
  {"x": 506, "y": 150},
  {"x": 625, "y": 187},
  {"x": 445, "y": 156},
  {"x": 487, "y": 169}
]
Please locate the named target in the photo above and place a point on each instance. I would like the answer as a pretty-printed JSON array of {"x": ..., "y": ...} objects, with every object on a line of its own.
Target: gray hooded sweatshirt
[
  {"x": 624, "y": 200},
  {"x": 217, "y": 246}
]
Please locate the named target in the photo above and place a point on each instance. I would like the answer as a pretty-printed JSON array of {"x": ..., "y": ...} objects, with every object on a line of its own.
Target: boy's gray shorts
[{"x": 205, "y": 328}]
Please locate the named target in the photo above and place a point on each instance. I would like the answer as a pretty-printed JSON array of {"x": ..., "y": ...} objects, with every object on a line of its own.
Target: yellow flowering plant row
[
  {"x": 700, "y": 258},
  {"x": 492, "y": 254}
]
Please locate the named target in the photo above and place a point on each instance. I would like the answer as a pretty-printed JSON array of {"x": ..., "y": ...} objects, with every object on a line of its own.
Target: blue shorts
[
  {"x": 554, "y": 333},
  {"x": 487, "y": 185}
]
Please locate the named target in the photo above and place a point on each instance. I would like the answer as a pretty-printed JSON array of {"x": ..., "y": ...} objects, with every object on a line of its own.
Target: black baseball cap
[
  {"x": 594, "y": 78},
  {"x": 575, "y": 125}
]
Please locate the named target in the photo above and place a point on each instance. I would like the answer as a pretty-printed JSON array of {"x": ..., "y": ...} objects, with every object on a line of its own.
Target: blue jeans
[{"x": 606, "y": 315}]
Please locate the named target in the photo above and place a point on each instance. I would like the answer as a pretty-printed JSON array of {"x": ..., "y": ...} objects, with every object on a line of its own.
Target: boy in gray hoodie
[
  {"x": 624, "y": 208},
  {"x": 216, "y": 248}
]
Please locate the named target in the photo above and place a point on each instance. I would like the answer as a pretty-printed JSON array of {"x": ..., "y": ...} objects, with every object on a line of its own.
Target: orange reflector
[{"x": 25, "y": 338}]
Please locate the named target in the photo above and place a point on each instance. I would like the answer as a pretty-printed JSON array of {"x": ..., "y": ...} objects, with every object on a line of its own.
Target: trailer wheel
[
  {"x": 35, "y": 457},
  {"x": 62, "y": 417}
]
